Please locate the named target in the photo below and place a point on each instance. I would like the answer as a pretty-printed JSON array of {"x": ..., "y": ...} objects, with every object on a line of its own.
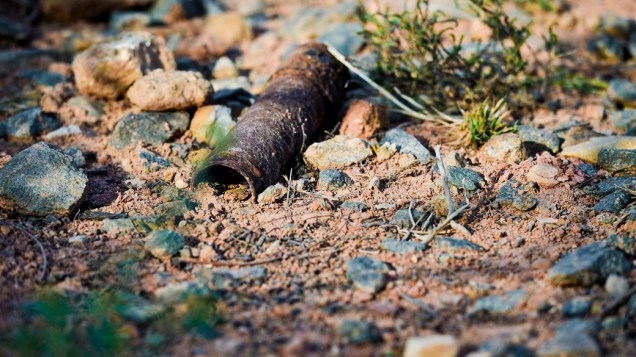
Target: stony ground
[{"x": 98, "y": 146}]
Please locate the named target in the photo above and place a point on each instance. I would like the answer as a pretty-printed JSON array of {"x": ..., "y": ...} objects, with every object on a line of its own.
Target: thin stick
[
  {"x": 439, "y": 227},
  {"x": 38, "y": 243},
  {"x": 417, "y": 303},
  {"x": 442, "y": 170},
  {"x": 276, "y": 259},
  {"x": 289, "y": 181}
]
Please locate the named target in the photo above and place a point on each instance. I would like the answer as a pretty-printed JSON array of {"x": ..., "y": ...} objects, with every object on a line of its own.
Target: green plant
[{"x": 485, "y": 121}]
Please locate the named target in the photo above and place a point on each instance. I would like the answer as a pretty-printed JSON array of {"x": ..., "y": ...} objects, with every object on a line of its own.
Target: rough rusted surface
[{"x": 307, "y": 88}]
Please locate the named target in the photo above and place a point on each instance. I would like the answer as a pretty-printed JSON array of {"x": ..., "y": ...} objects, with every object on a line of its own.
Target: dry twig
[{"x": 38, "y": 243}]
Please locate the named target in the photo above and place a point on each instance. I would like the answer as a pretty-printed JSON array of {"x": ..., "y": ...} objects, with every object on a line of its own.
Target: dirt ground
[{"x": 304, "y": 295}]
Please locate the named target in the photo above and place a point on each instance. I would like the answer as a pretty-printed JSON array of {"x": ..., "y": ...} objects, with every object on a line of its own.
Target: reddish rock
[{"x": 364, "y": 119}]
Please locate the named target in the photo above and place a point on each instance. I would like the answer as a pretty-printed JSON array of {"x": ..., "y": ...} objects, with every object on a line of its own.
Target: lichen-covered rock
[
  {"x": 28, "y": 124},
  {"x": 589, "y": 265},
  {"x": 515, "y": 195},
  {"x": 614, "y": 202},
  {"x": 176, "y": 90},
  {"x": 108, "y": 69},
  {"x": 164, "y": 243},
  {"x": 616, "y": 160},
  {"x": 40, "y": 181},
  {"x": 465, "y": 178},
  {"x": 337, "y": 153},
  {"x": 149, "y": 128},
  {"x": 453, "y": 245},
  {"x": 622, "y": 93},
  {"x": 623, "y": 120},
  {"x": 506, "y": 148},
  {"x": 589, "y": 150},
  {"x": 407, "y": 144},
  {"x": 331, "y": 179},
  {"x": 536, "y": 140},
  {"x": 272, "y": 194}
]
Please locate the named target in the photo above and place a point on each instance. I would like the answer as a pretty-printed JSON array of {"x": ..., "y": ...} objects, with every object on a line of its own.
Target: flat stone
[
  {"x": 337, "y": 153},
  {"x": 507, "y": 148},
  {"x": 588, "y": 151},
  {"x": 537, "y": 140},
  {"x": 152, "y": 128},
  {"x": 614, "y": 202},
  {"x": 570, "y": 344},
  {"x": 577, "y": 307},
  {"x": 589, "y": 327},
  {"x": 359, "y": 331},
  {"x": 514, "y": 194},
  {"x": 407, "y": 144},
  {"x": 175, "y": 210},
  {"x": 499, "y": 304},
  {"x": 454, "y": 245},
  {"x": 29, "y": 124},
  {"x": 41, "y": 181},
  {"x": 331, "y": 179},
  {"x": 576, "y": 134},
  {"x": 544, "y": 175},
  {"x": 624, "y": 243},
  {"x": 623, "y": 120},
  {"x": 173, "y": 90},
  {"x": 402, "y": 246},
  {"x": 94, "y": 215},
  {"x": 367, "y": 274},
  {"x": 432, "y": 346},
  {"x": 354, "y": 206},
  {"x": 63, "y": 132},
  {"x": 616, "y": 160},
  {"x": 612, "y": 184},
  {"x": 272, "y": 194},
  {"x": 465, "y": 178},
  {"x": 164, "y": 243},
  {"x": 402, "y": 218},
  {"x": 108, "y": 69},
  {"x": 589, "y": 265},
  {"x": 622, "y": 93}
]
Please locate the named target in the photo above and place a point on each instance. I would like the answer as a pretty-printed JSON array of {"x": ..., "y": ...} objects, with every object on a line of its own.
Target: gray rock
[
  {"x": 359, "y": 331},
  {"x": 63, "y": 132},
  {"x": 92, "y": 110},
  {"x": 402, "y": 218},
  {"x": 178, "y": 292},
  {"x": 344, "y": 37},
  {"x": 149, "y": 128},
  {"x": 224, "y": 278},
  {"x": 624, "y": 243},
  {"x": 117, "y": 225},
  {"x": 589, "y": 327},
  {"x": 453, "y": 245},
  {"x": 76, "y": 154},
  {"x": 507, "y": 148},
  {"x": 623, "y": 120},
  {"x": 354, "y": 206},
  {"x": 337, "y": 153},
  {"x": 589, "y": 265},
  {"x": 152, "y": 162},
  {"x": 29, "y": 123},
  {"x": 314, "y": 21},
  {"x": 537, "y": 140},
  {"x": 13, "y": 30},
  {"x": 99, "y": 215},
  {"x": 616, "y": 26},
  {"x": 608, "y": 48},
  {"x": 570, "y": 344},
  {"x": 616, "y": 160},
  {"x": 402, "y": 246},
  {"x": 500, "y": 347},
  {"x": 331, "y": 179},
  {"x": 162, "y": 90},
  {"x": 614, "y": 202},
  {"x": 613, "y": 323},
  {"x": 107, "y": 69},
  {"x": 577, "y": 307},
  {"x": 164, "y": 243},
  {"x": 514, "y": 194},
  {"x": 622, "y": 93},
  {"x": 465, "y": 178},
  {"x": 41, "y": 181},
  {"x": 616, "y": 286},
  {"x": 499, "y": 304},
  {"x": 367, "y": 274},
  {"x": 272, "y": 194},
  {"x": 175, "y": 210},
  {"x": 407, "y": 144},
  {"x": 43, "y": 78}
]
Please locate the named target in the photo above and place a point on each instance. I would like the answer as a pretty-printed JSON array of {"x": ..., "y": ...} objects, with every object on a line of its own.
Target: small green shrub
[{"x": 485, "y": 121}]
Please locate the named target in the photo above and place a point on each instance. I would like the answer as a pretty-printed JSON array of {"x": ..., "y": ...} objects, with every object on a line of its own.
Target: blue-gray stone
[
  {"x": 623, "y": 120},
  {"x": 576, "y": 325},
  {"x": 499, "y": 304},
  {"x": 29, "y": 123},
  {"x": 152, "y": 128},
  {"x": 622, "y": 93},
  {"x": 616, "y": 26},
  {"x": 354, "y": 206},
  {"x": 589, "y": 265},
  {"x": 514, "y": 194},
  {"x": 465, "y": 178},
  {"x": 608, "y": 48},
  {"x": 501, "y": 347},
  {"x": 577, "y": 307},
  {"x": 617, "y": 160},
  {"x": 570, "y": 344},
  {"x": 43, "y": 78},
  {"x": 624, "y": 243},
  {"x": 164, "y": 243},
  {"x": 402, "y": 218},
  {"x": 331, "y": 179},
  {"x": 537, "y": 140},
  {"x": 224, "y": 278},
  {"x": 152, "y": 162},
  {"x": 175, "y": 210},
  {"x": 93, "y": 109},
  {"x": 407, "y": 144},
  {"x": 359, "y": 331},
  {"x": 344, "y": 37},
  {"x": 453, "y": 245},
  {"x": 614, "y": 202},
  {"x": 41, "y": 181},
  {"x": 403, "y": 246},
  {"x": 367, "y": 274},
  {"x": 587, "y": 169}
]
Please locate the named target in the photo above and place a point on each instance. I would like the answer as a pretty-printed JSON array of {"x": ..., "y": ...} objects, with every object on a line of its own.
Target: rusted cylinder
[{"x": 306, "y": 89}]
